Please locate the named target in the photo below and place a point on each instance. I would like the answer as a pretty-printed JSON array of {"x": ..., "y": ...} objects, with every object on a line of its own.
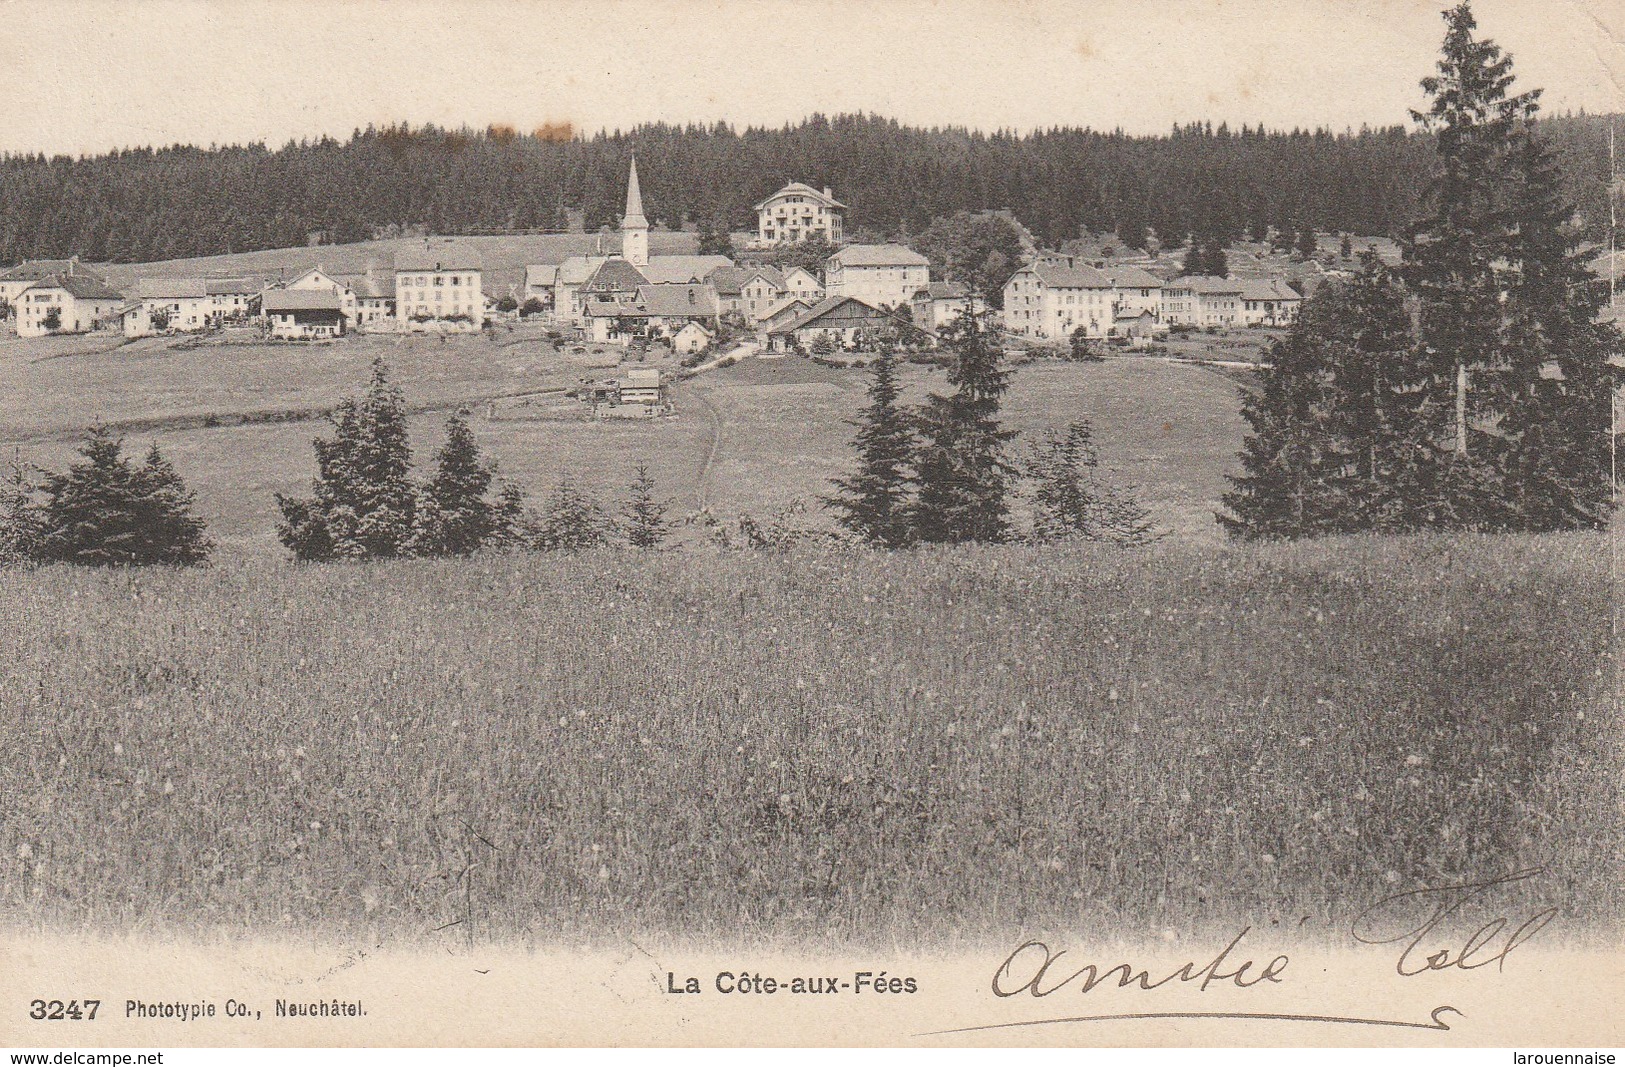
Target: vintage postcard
[{"x": 803, "y": 522}]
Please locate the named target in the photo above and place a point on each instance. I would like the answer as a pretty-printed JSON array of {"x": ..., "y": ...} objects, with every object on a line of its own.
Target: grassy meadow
[
  {"x": 754, "y": 437},
  {"x": 822, "y": 746}
]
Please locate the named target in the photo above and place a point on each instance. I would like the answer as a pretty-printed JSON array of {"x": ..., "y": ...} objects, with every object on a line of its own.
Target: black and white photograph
[{"x": 537, "y": 523}]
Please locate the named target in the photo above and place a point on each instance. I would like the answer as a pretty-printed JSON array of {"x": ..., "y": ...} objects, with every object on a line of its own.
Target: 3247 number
[{"x": 56, "y": 1009}]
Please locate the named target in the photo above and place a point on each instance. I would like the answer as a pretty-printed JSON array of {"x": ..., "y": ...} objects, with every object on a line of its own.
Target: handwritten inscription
[
  {"x": 1428, "y": 922},
  {"x": 1027, "y": 970}
]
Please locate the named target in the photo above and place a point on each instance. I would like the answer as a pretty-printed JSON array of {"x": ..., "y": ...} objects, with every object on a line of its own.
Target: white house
[
  {"x": 540, "y": 278},
  {"x": 797, "y": 212},
  {"x": 800, "y": 284},
  {"x": 879, "y": 275},
  {"x": 439, "y": 284},
  {"x": 174, "y": 305},
  {"x": 232, "y": 298},
  {"x": 938, "y": 304},
  {"x": 374, "y": 300},
  {"x": 1137, "y": 289},
  {"x": 82, "y": 302},
  {"x": 1202, "y": 300},
  {"x": 15, "y": 279},
  {"x": 692, "y": 338},
  {"x": 1050, "y": 298},
  {"x": 1268, "y": 302}
]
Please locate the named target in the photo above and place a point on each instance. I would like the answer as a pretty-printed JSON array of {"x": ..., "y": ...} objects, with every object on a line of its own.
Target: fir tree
[
  {"x": 363, "y": 502},
  {"x": 1071, "y": 501},
  {"x": 874, "y": 501},
  {"x": 960, "y": 467},
  {"x": 19, "y": 516},
  {"x": 106, "y": 511},
  {"x": 645, "y": 514},
  {"x": 453, "y": 516},
  {"x": 574, "y": 519}
]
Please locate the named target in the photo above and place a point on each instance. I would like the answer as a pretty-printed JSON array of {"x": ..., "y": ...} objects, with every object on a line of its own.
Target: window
[
  {"x": 439, "y": 280},
  {"x": 455, "y": 280}
]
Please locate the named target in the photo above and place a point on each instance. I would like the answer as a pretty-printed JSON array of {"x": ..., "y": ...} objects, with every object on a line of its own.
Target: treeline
[{"x": 146, "y": 204}]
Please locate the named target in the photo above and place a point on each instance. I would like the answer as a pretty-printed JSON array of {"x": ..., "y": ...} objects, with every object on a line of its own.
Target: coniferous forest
[{"x": 144, "y": 204}]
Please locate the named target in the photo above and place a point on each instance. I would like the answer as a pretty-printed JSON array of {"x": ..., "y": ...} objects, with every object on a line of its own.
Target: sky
[{"x": 91, "y": 75}]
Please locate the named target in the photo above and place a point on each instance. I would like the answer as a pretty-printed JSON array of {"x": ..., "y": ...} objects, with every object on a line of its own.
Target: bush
[{"x": 533, "y": 306}]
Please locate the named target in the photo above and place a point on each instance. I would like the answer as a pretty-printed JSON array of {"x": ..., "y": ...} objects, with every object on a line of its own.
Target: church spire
[
  {"x": 634, "y": 200},
  {"x": 634, "y": 227}
]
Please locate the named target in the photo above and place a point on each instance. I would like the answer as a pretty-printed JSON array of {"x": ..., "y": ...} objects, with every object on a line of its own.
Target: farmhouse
[
  {"x": 693, "y": 337},
  {"x": 540, "y": 278},
  {"x": 304, "y": 314},
  {"x": 173, "y": 305},
  {"x": 1051, "y": 297},
  {"x": 880, "y": 275},
  {"x": 844, "y": 321},
  {"x": 440, "y": 285},
  {"x": 797, "y": 212},
  {"x": 81, "y": 302},
  {"x": 786, "y": 311},
  {"x": 318, "y": 280},
  {"x": 374, "y": 296},
  {"x": 654, "y": 311}
]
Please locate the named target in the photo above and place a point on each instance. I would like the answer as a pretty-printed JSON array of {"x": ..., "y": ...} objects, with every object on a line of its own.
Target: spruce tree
[
  {"x": 453, "y": 516},
  {"x": 961, "y": 469},
  {"x": 1070, "y": 500},
  {"x": 874, "y": 501},
  {"x": 363, "y": 501},
  {"x": 574, "y": 519},
  {"x": 106, "y": 511},
  {"x": 19, "y": 516},
  {"x": 645, "y": 514}
]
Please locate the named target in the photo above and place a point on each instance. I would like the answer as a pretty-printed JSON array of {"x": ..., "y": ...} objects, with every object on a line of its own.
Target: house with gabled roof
[
  {"x": 797, "y": 212},
  {"x": 886, "y": 275},
  {"x": 81, "y": 302},
  {"x": 1051, "y": 297},
  {"x": 14, "y": 280},
  {"x": 1269, "y": 302},
  {"x": 305, "y": 314},
  {"x": 938, "y": 304},
  {"x": 439, "y": 285},
  {"x": 1202, "y": 300},
  {"x": 845, "y": 321},
  {"x": 167, "y": 305},
  {"x": 654, "y": 311}
]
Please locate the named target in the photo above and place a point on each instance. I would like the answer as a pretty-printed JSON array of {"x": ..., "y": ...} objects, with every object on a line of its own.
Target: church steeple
[{"x": 634, "y": 227}]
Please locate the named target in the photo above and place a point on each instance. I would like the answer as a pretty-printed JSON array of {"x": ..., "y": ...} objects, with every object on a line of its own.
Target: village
[{"x": 699, "y": 309}]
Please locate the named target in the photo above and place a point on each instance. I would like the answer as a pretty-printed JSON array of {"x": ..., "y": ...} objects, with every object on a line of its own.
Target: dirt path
[{"x": 702, "y": 482}]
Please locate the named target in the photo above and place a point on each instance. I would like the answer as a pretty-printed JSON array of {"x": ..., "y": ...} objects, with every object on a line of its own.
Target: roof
[
  {"x": 437, "y": 258},
  {"x": 34, "y": 270},
  {"x": 801, "y": 189},
  {"x": 169, "y": 288},
  {"x": 661, "y": 269},
  {"x": 777, "y": 311},
  {"x": 1062, "y": 276},
  {"x": 366, "y": 288},
  {"x": 643, "y": 376},
  {"x": 577, "y": 269},
  {"x": 80, "y": 286},
  {"x": 301, "y": 300},
  {"x": 823, "y": 308},
  {"x": 677, "y": 300},
  {"x": 1206, "y": 283},
  {"x": 943, "y": 291},
  {"x": 541, "y": 274},
  {"x": 1267, "y": 289},
  {"x": 727, "y": 281},
  {"x": 614, "y": 276},
  {"x": 879, "y": 256},
  {"x": 1127, "y": 276},
  {"x": 773, "y": 275},
  {"x": 229, "y": 286},
  {"x": 696, "y": 324}
]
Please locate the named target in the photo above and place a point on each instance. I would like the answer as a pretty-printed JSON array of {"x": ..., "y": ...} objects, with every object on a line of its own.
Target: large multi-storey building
[
  {"x": 797, "y": 212},
  {"x": 439, "y": 284},
  {"x": 878, "y": 275}
]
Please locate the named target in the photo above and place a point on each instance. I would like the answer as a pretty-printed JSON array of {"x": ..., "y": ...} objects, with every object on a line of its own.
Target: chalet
[
  {"x": 879, "y": 275},
  {"x": 1268, "y": 302},
  {"x": 318, "y": 280},
  {"x": 1202, "y": 300},
  {"x": 82, "y": 302},
  {"x": 439, "y": 284},
  {"x": 786, "y": 311},
  {"x": 615, "y": 279},
  {"x": 937, "y": 304},
  {"x": 1051, "y": 297},
  {"x": 845, "y": 321},
  {"x": 167, "y": 305},
  {"x": 304, "y": 314},
  {"x": 653, "y": 311},
  {"x": 797, "y": 212}
]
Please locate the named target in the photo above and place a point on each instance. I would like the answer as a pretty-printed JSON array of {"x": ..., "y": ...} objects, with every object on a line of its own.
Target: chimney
[{"x": 829, "y": 192}]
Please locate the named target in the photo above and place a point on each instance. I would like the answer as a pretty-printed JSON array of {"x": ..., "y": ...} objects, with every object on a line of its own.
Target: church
[{"x": 583, "y": 280}]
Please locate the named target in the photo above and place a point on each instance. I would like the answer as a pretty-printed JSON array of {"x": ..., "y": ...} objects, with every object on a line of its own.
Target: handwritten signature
[{"x": 1421, "y": 918}]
